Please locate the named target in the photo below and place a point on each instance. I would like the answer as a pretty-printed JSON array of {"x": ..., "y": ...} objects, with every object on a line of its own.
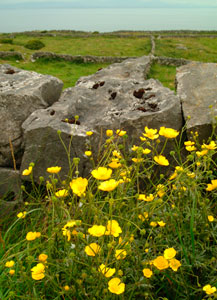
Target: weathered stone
[
  {"x": 197, "y": 89},
  {"x": 10, "y": 188},
  {"x": 117, "y": 97},
  {"x": 21, "y": 93}
]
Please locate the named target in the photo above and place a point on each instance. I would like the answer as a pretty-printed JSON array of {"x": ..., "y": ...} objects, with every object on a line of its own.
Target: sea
[{"x": 107, "y": 20}]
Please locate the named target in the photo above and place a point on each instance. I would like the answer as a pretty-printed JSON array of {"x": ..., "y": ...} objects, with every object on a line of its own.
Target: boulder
[
  {"x": 21, "y": 93},
  {"x": 197, "y": 89},
  {"x": 117, "y": 97},
  {"x": 10, "y": 194}
]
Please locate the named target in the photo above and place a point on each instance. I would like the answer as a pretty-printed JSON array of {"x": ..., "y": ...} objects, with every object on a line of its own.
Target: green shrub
[
  {"x": 34, "y": 45},
  {"x": 6, "y": 41}
]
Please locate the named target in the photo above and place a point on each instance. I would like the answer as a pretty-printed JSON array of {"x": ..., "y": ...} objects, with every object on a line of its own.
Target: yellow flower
[
  {"x": 114, "y": 164},
  {"x": 210, "y": 218},
  {"x": 212, "y": 146},
  {"x": 146, "y": 151},
  {"x": 161, "y": 263},
  {"x": 38, "y": 271},
  {"x": 79, "y": 186},
  {"x": 11, "y": 272},
  {"x": 137, "y": 160},
  {"x": 209, "y": 290},
  {"x": 97, "y": 230},
  {"x": 153, "y": 224},
  {"x": 109, "y": 132},
  {"x": 191, "y": 175},
  {"x": 102, "y": 173},
  {"x": 211, "y": 186},
  {"x": 28, "y": 171},
  {"x": 148, "y": 198},
  {"x": 92, "y": 249},
  {"x": 134, "y": 148},
  {"x": 9, "y": 264},
  {"x": 120, "y": 254},
  {"x": 115, "y": 286},
  {"x": 21, "y": 215},
  {"x": 108, "y": 185},
  {"x": 43, "y": 257},
  {"x": 201, "y": 153},
  {"x": 89, "y": 133},
  {"x": 169, "y": 253},
  {"x": 190, "y": 148},
  {"x": 142, "y": 138},
  {"x": 66, "y": 288},
  {"x": 147, "y": 272},
  {"x": 31, "y": 236},
  {"x": 108, "y": 272},
  {"x": 173, "y": 176},
  {"x": 61, "y": 193},
  {"x": 116, "y": 154},
  {"x": 113, "y": 228},
  {"x": 54, "y": 170},
  {"x": 161, "y": 223},
  {"x": 120, "y": 132},
  {"x": 168, "y": 132},
  {"x": 161, "y": 160},
  {"x": 67, "y": 233},
  {"x": 174, "y": 264},
  {"x": 151, "y": 133},
  {"x": 189, "y": 143},
  {"x": 160, "y": 190},
  {"x": 88, "y": 153}
]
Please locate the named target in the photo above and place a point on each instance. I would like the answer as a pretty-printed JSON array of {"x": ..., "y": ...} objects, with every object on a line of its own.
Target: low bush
[
  {"x": 124, "y": 232},
  {"x": 6, "y": 41},
  {"x": 34, "y": 45}
]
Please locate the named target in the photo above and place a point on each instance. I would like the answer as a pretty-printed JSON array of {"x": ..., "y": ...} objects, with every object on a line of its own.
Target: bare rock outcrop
[
  {"x": 117, "y": 97},
  {"x": 21, "y": 93},
  {"x": 197, "y": 89}
]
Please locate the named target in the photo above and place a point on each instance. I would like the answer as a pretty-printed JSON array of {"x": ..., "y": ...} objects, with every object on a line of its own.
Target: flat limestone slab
[{"x": 197, "y": 89}]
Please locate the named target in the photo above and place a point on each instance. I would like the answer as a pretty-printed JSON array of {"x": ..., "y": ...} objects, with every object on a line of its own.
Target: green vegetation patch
[
  {"x": 165, "y": 74},
  {"x": 138, "y": 234},
  {"x": 34, "y": 45},
  {"x": 199, "y": 49},
  {"x": 93, "y": 45},
  {"x": 68, "y": 72}
]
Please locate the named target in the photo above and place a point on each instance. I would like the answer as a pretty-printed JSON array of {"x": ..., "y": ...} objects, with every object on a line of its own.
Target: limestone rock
[
  {"x": 21, "y": 93},
  {"x": 197, "y": 89},
  {"x": 117, "y": 97},
  {"x": 10, "y": 188}
]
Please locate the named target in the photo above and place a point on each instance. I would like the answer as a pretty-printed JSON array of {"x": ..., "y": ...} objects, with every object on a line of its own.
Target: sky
[{"x": 108, "y": 3}]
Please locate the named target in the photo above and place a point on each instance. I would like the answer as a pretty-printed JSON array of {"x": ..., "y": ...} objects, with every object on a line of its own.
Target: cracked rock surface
[
  {"x": 21, "y": 93},
  {"x": 117, "y": 97},
  {"x": 197, "y": 89}
]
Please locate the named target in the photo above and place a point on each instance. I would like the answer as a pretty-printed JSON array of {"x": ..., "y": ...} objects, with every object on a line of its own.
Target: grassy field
[
  {"x": 200, "y": 49},
  {"x": 68, "y": 72},
  {"x": 165, "y": 74},
  {"x": 94, "y": 45}
]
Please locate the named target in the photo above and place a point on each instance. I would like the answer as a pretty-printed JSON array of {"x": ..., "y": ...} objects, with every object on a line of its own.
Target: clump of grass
[{"x": 137, "y": 232}]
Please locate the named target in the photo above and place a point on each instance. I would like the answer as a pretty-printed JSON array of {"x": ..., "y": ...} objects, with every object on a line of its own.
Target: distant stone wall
[
  {"x": 79, "y": 58},
  {"x": 170, "y": 61},
  {"x": 187, "y": 36},
  {"x": 6, "y": 54}
]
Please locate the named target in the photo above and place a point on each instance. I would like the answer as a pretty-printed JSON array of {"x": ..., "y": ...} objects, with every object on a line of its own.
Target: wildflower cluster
[{"x": 141, "y": 225}]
